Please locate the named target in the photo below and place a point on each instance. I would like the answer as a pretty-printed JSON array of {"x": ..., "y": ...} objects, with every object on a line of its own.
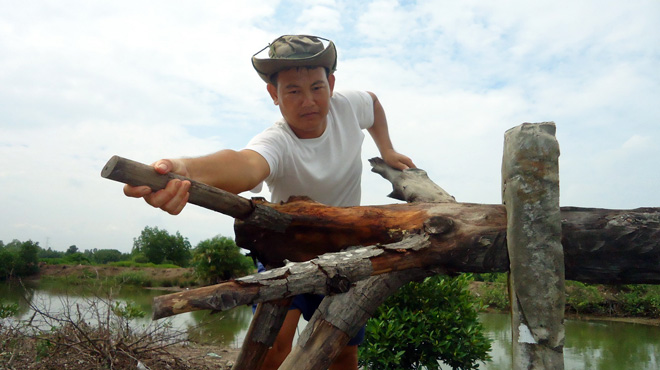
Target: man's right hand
[{"x": 174, "y": 197}]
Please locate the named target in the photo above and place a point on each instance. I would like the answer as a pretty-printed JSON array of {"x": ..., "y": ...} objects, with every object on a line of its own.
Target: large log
[
  {"x": 600, "y": 245},
  {"x": 472, "y": 241}
]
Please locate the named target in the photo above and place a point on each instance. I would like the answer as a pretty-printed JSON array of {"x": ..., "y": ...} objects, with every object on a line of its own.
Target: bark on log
[{"x": 328, "y": 274}]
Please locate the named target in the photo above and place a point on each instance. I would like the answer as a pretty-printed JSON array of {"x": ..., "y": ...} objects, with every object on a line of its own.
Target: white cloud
[
  {"x": 81, "y": 81},
  {"x": 637, "y": 142},
  {"x": 319, "y": 19}
]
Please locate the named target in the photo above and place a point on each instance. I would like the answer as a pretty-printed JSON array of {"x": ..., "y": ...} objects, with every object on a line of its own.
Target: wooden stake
[{"x": 530, "y": 174}]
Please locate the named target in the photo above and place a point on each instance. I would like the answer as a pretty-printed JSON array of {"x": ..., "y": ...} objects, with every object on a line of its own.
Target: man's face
[{"x": 303, "y": 95}]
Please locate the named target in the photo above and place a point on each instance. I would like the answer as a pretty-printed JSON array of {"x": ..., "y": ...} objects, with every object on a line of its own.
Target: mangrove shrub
[{"x": 424, "y": 323}]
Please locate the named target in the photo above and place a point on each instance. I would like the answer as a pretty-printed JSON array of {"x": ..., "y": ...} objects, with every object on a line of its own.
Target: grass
[
  {"x": 136, "y": 264},
  {"x": 639, "y": 300}
]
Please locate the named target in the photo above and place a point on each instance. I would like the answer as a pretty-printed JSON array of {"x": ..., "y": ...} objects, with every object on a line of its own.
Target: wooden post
[
  {"x": 530, "y": 175},
  {"x": 340, "y": 317},
  {"x": 265, "y": 326}
]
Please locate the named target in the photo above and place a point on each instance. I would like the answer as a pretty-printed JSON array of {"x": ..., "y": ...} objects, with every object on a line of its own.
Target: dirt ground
[{"x": 203, "y": 357}]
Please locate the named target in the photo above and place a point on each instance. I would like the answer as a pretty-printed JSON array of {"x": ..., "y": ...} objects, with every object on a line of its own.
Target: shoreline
[{"x": 173, "y": 274}]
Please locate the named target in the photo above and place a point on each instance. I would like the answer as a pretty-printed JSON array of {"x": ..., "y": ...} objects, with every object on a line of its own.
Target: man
[{"x": 314, "y": 150}]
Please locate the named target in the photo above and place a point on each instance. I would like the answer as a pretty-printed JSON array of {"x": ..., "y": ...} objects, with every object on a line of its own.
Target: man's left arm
[{"x": 381, "y": 136}]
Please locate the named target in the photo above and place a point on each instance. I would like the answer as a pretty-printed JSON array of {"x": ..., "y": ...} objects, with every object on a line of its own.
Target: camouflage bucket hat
[{"x": 290, "y": 51}]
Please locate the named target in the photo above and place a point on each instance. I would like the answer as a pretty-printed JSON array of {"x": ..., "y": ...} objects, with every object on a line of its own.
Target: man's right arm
[{"x": 233, "y": 171}]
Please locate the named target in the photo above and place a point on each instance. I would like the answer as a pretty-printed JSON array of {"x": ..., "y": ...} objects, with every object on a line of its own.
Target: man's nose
[{"x": 308, "y": 99}]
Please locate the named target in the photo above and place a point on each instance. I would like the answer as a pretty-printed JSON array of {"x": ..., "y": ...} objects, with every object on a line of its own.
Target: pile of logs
[{"x": 358, "y": 256}]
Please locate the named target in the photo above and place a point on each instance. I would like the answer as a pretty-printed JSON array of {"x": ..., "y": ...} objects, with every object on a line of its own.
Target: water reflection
[
  {"x": 228, "y": 328},
  {"x": 600, "y": 345},
  {"x": 590, "y": 345},
  {"x": 223, "y": 328}
]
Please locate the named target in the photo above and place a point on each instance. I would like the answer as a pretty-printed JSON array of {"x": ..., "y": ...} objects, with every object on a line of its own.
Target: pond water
[
  {"x": 600, "y": 345},
  {"x": 590, "y": 345},
  {"x": 223, "y": 328}
]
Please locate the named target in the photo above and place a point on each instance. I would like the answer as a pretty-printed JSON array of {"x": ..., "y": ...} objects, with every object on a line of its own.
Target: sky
[{"x": 81, "y": 81}]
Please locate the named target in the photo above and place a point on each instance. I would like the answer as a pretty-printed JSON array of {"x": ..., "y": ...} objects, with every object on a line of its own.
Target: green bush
[
  {"x": 640, "y": 300},
  {"x": 219, "y": 259},
  {"x": 493, "y": 293},
  {"x": 137, "y": 278},
  {"x": 159, "y": 246},
  {"x": 8, "y": 310},
  {"x": 423, "y": 323},
  {"x": 495, "y": 296},
  {"x": 19, "y": 259},
  {"x": 6, "y": 263},
  {"x": 53, "y": 260},
  {"x": 583, "y": 298}
]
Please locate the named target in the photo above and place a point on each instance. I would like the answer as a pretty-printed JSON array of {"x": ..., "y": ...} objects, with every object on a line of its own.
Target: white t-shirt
[{"x": 327, "y": 169}]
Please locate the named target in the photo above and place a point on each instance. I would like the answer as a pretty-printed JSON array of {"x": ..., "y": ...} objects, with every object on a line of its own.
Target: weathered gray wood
[
  {"x": 137, "y": 174},
  {"x": 340, "y": 317},
  {"x": 530, "y": 175},
  {"x": 411, "y": 185},
  {"x": 264, "y": 327},
  {"x": 327, "y": 274}
]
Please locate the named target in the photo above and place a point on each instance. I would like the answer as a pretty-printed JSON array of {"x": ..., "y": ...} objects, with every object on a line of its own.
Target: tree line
[
  {"x": 436, "y": 317},
  {"x": 213, "y": 260}
]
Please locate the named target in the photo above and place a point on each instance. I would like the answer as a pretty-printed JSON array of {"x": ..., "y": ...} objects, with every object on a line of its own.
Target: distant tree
[
  {"x": 50, "y": 253},
  {"x": 178, "y": 250},
  {"x": 72, "y": 249},
  {"x": 19, "y": 259},
  {"x": 77, "y": 259},
  {"x": 159, "y": 246},
  {"x": 6, "y": 263},
  {"x": 27, "y": 260},
  {"x": 103, "y": 256},
  {"x": 14, "y": 246},
  {"x": 219, "y": 259},
  {"x": 89, "y": 254}
]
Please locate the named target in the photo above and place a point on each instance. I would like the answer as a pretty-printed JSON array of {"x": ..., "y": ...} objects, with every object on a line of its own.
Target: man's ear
[
  {"x": 272, "y": 90},
  {"x": 331, "y": 82}
]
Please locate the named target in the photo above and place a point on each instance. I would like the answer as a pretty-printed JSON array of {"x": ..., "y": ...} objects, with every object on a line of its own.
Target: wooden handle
[{"x": 138, "y": 174}]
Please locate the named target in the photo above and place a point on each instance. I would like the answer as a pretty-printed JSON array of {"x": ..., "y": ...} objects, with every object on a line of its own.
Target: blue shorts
[{"x": 307, "y": 304}]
